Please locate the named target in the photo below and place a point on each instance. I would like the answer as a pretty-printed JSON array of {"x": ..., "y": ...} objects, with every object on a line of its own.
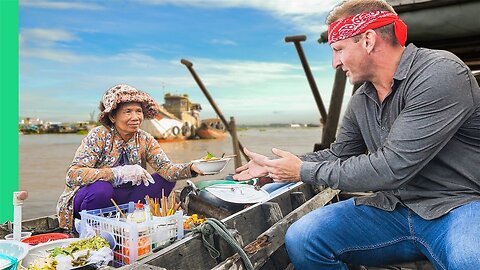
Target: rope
[{"x": 212, "y": 225}]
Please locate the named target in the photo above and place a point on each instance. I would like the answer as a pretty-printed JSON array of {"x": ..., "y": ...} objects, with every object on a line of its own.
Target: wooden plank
[
  {"x": 36, "y": 226},
  {"x": 250, "y": 222},
  {"x": 132, "y": 267},
  {"x": 199, "y": 206},
  {"x": 224, "y": 247},
  {"x": 188, "y": 253},
  {"x": 297, "y": 198},
  {"x": 268, "y": 242},
  {"x": 272, "y": 213}
]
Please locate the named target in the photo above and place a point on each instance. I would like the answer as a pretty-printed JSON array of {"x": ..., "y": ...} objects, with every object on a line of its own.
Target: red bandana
[{"x": 359, "y": 23}]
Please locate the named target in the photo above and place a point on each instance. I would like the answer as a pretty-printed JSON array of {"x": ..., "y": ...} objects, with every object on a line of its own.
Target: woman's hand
[
  {"x": 131, "y": 173},
  {"x": 194, "y": 168}
]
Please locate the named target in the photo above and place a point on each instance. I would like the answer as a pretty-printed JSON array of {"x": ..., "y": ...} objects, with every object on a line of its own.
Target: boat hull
[
  {"x": 211, "y": 129},
  {"x": 210, "y": 133}
]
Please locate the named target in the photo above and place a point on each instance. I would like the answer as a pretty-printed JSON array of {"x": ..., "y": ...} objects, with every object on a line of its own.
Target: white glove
[{"x": 131, "y": 173}]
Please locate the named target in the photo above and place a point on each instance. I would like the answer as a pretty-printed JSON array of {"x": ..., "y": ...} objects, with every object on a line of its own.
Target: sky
[{"x": 71, "y": 52}]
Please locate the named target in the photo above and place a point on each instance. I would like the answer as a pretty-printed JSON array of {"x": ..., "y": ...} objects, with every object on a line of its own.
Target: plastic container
[
  {"x": 133, "y": 240},
  {"x": 23, "y": 235},
  {"x": 43, "y": 238},
  {"x": 138, "y": 214},
  {"x": 12, "y": 252}
]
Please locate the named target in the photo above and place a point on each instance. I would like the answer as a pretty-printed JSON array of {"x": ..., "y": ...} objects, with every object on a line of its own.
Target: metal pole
[
  {"x": 189, "y": 65},
  {"x": 311, "y": 81}
]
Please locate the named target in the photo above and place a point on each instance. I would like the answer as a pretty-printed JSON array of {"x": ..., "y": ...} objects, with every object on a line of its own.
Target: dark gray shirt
[{"x": 420, "y": 147}]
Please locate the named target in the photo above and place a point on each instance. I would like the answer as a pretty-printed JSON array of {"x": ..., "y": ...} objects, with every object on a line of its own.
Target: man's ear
[{"x": 370, "y": 40}]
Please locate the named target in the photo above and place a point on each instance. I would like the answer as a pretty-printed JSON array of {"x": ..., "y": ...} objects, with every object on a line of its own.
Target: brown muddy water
[{"x": 44, "y": 159}]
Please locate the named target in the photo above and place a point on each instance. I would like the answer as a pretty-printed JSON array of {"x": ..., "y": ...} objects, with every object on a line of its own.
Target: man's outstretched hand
[
  {"x": 254, "y": 168},
  {"x": 284, "y": 169}
]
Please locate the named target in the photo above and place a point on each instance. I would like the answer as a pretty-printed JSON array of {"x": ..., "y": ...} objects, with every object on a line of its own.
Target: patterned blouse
[{"x": 100, "y": 151}]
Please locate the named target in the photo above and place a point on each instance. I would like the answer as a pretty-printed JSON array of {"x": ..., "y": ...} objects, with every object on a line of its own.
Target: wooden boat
[
  {"x": 178, "y": 119},
  {"x": 212, "y": 128},
  {"x": 258, "y": 228}
]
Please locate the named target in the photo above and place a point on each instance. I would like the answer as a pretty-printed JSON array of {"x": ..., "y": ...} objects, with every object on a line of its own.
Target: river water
[{"x": 44, "y": 159}]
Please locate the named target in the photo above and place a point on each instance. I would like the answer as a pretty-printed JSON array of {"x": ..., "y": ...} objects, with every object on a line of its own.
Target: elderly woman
[{"x": 111, "y": 160}]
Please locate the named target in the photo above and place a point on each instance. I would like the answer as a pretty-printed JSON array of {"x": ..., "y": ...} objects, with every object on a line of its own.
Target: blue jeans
[{"x": 340, "y": 233}]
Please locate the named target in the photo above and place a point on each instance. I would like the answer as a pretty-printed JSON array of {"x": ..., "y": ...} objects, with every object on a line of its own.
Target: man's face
[{"x": 351, "y": 56}]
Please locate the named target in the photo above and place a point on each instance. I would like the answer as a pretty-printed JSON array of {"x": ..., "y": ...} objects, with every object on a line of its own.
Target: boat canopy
[{"x": 452, "y": 25}]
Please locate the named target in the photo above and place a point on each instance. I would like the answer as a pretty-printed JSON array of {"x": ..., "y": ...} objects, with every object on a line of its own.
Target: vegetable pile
[{"x": 75, "y": 254}]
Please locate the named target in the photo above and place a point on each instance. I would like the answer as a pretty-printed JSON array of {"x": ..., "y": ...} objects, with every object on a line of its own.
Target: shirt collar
[{"x": 405, "y": 62}]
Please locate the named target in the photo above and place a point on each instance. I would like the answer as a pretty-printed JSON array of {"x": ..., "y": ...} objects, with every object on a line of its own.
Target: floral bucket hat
[{"x": 123, "y": 93}]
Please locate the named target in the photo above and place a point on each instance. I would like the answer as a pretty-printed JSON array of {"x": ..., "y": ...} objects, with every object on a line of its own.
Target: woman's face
[{"x": 127, "y": 119}]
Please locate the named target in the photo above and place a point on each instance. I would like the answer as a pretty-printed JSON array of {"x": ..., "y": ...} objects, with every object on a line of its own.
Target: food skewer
[{"x": 118, "y": 208}]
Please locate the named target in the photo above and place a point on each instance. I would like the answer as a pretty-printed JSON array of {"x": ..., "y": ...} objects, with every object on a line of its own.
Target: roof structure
[{"x": 452, "y": 25}]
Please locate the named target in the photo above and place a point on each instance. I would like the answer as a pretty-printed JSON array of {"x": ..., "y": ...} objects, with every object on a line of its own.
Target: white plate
[
  {"x": 238, "y": 193},
  {"x": 210, "y": 173},
  {"x": 41, "y": 249}
]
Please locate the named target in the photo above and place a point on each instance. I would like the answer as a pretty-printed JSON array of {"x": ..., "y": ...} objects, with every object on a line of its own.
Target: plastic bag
[{"x": 96, "y": 258}]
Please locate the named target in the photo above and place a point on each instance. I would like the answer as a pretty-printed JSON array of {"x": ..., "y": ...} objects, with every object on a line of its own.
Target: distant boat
[
  {"x": 178, "y": 119},
  {"x": 212, "y": 128},
  {"x": 294, "y": 125}
]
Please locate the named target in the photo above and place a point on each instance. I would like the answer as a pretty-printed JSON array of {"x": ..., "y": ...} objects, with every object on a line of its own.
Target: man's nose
[{"x": 336, "y": 63}]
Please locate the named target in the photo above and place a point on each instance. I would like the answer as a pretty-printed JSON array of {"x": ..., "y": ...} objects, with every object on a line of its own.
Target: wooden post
[
  {"x": 311, "y": 81},
  {"x": 189, "y": 66},
  {"x": 236, "y": 146},
  {"x": 330, "y": 129}
]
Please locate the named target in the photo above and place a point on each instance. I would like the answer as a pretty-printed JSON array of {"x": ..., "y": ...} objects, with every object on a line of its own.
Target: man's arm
[
  {"x": 430, "y": 118},
  {"x": 287, "y": 166},
  {"x": 349, "y": 142}
]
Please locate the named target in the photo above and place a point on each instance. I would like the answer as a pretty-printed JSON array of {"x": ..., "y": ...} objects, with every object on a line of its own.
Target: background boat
[
  {"x": 178, "y": 119},
  {"x": 211, "y": 128}
]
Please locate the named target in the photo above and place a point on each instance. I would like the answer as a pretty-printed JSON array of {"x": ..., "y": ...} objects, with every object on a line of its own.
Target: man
[{"x": 411, "y": 133}]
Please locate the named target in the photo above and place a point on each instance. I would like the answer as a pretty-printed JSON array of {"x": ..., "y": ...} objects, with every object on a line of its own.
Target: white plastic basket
[{"x": 133, "y": 240}]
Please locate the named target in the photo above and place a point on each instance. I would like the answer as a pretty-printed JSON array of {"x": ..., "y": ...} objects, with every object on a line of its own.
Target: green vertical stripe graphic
[{"x": 8, "y": 106}]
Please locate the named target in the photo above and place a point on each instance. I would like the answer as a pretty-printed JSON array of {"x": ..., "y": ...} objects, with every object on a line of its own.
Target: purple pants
[{"x": 98, "y": 194}]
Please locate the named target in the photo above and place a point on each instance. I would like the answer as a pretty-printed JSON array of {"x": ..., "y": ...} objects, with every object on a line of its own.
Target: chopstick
[
  {"x": 118, "y": 208},
  {"x": 162, "y": 207}
]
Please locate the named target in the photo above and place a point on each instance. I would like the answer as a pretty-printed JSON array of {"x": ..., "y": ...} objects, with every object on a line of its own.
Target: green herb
[{"x": 209, "y": 156}]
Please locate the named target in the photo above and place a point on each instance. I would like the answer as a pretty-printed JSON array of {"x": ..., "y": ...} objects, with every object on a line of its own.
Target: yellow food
[
  {"x": 193, "y": 221},
  {"x": 210, "y": 157},
  {"x": 43, "y": 263}
]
